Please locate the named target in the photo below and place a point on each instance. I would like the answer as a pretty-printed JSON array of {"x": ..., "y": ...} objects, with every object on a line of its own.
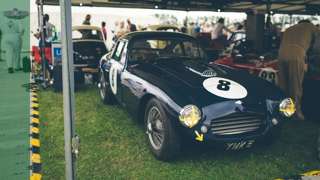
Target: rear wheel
[
  {"x": 162, "y": 138},
  {"x": 105, "y": 92}
]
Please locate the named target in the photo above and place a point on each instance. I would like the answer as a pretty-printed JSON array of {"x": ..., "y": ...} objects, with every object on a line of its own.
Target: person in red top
[{"x": 104, "y": 30}]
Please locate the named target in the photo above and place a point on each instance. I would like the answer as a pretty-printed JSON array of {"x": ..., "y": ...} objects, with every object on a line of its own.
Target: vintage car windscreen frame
[{"x": 152, "y": 49}]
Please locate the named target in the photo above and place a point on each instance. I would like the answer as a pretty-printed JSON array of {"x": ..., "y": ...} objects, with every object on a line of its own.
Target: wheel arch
[
  {"x": 169, "y": 109},
  {"x": 142, "y": 106}
]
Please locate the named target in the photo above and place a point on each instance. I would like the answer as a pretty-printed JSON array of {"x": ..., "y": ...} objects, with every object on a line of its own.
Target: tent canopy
[{"x": 277, "y": 6}]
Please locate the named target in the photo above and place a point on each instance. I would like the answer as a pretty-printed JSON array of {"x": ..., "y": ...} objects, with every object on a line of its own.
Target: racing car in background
[
  {"x": 164, "y": 80},
  {"x": 262, "y": 67}
]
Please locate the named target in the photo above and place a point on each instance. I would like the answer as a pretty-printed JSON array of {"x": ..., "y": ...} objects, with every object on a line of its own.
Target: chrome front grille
[{"x": 237, "y": 123}]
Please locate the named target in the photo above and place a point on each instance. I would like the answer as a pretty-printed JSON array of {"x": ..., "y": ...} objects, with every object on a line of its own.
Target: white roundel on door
[
  {"x": 225, "y": 88},
  {"x": 113, "y": 79}
]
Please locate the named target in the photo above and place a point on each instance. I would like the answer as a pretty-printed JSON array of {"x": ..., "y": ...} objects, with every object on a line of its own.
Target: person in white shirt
[
  {"x": 48, "y": 32},
  {"x": 12, "y": 40},
  {"x": 218, "y": 28}
]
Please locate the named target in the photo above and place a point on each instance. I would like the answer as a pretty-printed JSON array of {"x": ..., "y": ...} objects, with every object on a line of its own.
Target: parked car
[
  {"x": 259, "y": 66},
  {"x": 178, "y": 95},
  {"x": 88, "y": 48},
  {"x": 170, "y": 28}
]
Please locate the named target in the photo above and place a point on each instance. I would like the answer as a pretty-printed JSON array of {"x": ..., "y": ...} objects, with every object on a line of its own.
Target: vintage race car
[
  {"x": 267, "y": 69},
  {"x": 179, "y": 96}
]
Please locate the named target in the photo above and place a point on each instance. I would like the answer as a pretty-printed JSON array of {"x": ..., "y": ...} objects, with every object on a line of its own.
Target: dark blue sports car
[{"x": 164, "y": 79}]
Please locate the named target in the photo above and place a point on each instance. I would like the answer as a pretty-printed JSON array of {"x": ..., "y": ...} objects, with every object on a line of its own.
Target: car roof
[
  {"x": 86, "y": 27},
  {"x": 151, "y": 34}
]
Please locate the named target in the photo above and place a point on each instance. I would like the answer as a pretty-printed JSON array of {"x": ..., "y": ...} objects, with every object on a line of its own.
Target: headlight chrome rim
[
  {"x": 190, "y": 116},
  {"x": 287, "y": 107}
]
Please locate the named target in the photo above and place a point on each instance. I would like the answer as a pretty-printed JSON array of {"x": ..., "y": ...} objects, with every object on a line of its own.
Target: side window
[
  {"x": 178, "y": 50},
  {"x": 190, "y": 49},
  {"x": 118, "y": 51}
]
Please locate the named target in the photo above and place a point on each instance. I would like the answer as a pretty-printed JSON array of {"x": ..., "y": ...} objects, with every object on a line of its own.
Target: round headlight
[
  {"x": 190, "y": 115},
  {"x": 287, "y": 107}
]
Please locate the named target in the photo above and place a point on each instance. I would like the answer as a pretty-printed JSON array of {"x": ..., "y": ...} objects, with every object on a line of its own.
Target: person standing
[
  {"x": 217, "y": 31},
  {"x": 191, "y": 29},
  {"x": 131, "y": 27},
  {"x": 12, "y": 44},
  {"x": 121, "y": 30},
  {"x": 48, "y": 30},
  {"x": 294, "y": 47},
  {"x": 104, "y": 30},
  {"x": 86, "y": 34},
  {"x": 87, "y": 20}
]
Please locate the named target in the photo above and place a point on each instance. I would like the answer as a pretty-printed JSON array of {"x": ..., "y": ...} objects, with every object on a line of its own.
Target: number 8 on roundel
[
  {"x": 223, "y": 85},
  {"x": 113, "y": 79},
  {"x": 225, "y": 88}
]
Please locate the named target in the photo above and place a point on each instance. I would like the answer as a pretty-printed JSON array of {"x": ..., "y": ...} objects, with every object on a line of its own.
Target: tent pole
[
  {"x": 42, "y": 42},
  {"x": 68, "y": 86}
]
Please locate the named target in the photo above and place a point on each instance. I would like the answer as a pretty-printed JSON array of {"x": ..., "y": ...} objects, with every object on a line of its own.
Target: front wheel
[
  {"x": 161, "y": 135},
  {"x": 105, "y": 92}
]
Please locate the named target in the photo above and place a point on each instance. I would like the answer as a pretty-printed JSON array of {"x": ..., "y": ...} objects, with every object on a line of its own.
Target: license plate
[{"x": 240, "y": 145}]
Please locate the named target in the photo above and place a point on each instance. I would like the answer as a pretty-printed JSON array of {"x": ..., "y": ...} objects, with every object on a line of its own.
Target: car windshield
[
  {"x": 165, "y": 48},
  {"x": 87, "y": 34}
]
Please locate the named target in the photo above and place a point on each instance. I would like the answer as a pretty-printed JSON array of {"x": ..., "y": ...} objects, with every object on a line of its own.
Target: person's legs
[
  {"x": 18, "y": 56},
  {"x": 15, "y": 55},
  {"x": 9, "y": 56},
  {"x": 296, "y": 75}
]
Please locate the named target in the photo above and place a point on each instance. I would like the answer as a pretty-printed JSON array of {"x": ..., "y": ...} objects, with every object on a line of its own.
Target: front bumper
[
  {"x": 210, "y": 137},
  {"x": 236, "y": 125}
]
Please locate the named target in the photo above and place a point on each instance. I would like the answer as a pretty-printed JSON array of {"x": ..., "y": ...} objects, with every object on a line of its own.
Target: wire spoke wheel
[
  {"x": 155, "y": 129},
  {"x": 102, "y": 86}
]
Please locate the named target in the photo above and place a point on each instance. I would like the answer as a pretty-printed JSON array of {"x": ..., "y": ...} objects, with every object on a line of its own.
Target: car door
[
  {"x": 133, "y": 86},
  {"x": 116, "y": 68}
]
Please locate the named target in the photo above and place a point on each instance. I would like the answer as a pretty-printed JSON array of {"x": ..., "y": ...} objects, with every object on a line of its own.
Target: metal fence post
[{"x": 68, "y": 86}]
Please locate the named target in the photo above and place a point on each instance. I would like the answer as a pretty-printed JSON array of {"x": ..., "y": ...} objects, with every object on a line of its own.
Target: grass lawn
[{"x": 113, "y": 146}]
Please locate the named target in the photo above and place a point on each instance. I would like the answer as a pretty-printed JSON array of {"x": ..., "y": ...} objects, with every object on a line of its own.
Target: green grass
[{"x": 113, "y": 146}]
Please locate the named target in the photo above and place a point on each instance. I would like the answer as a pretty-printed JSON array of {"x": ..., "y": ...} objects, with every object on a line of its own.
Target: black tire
[
  {"x": 273, "y": 136},
  {"x": 104, "y": 90},
  {"x": 169, "y": 147}
]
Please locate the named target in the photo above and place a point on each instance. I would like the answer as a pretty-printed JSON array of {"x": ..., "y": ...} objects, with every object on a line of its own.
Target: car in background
[
  {"x": 88, "y": 48},
  {"x": 262, "y": 67},
  {"x": 179, "y": 96},
  {"x": 169, "y": 28}
]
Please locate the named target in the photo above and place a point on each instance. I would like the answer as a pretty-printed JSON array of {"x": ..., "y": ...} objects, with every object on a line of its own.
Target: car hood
[{"x": 184, "y": 81}]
